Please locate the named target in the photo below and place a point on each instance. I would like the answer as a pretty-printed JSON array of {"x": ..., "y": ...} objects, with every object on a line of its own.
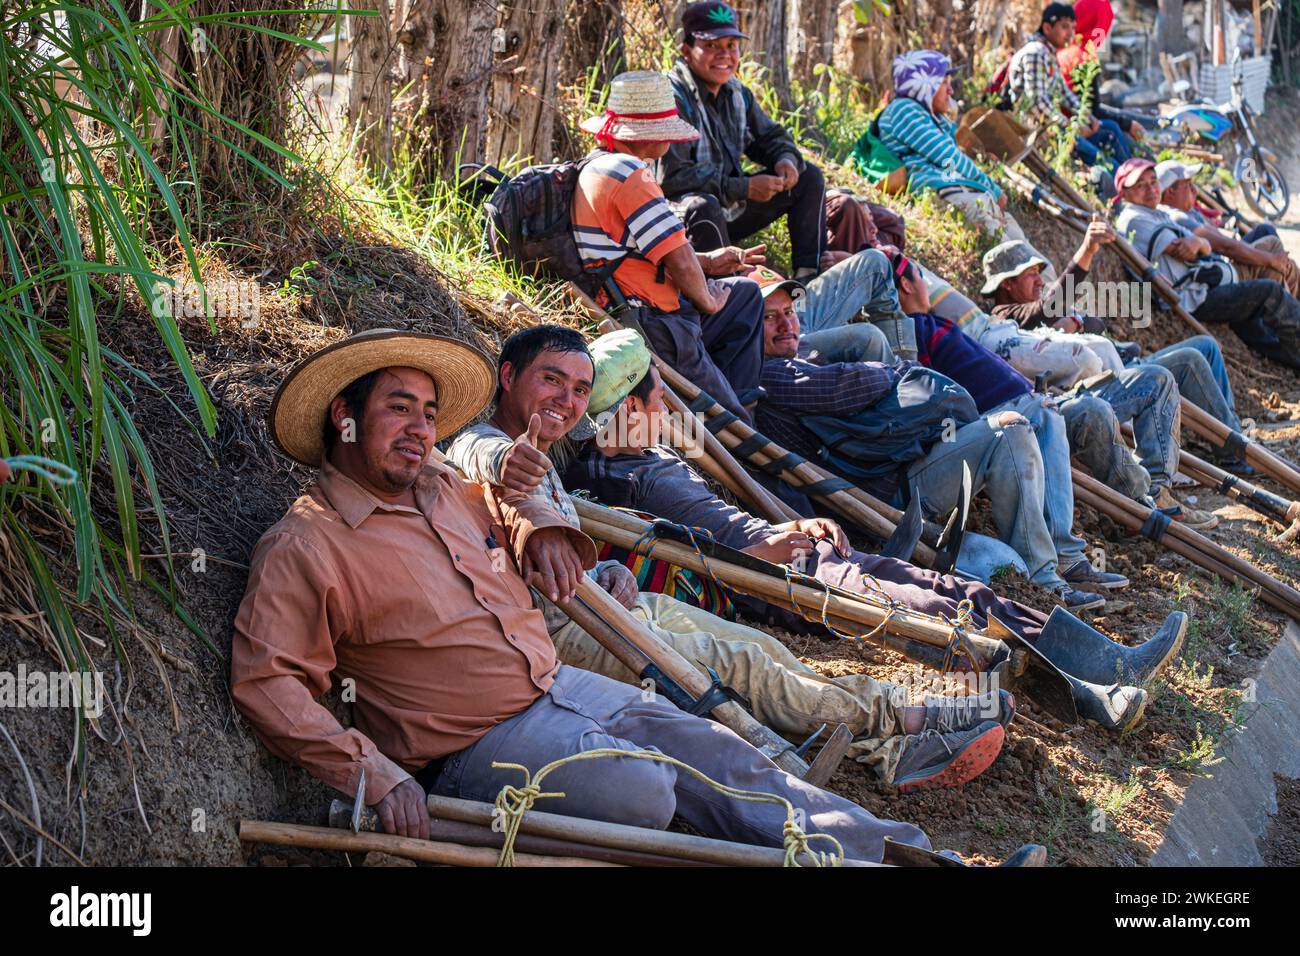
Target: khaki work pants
[{"x": 785, "y": 693}]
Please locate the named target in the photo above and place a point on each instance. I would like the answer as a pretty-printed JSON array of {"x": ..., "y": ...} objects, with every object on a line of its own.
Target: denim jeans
[
  {"x": 1202, "y": 378},
  {"x": 1262, "y": 313},
  {"x": 859, "y": 342},
  {"x": 584, "y": 711},
  {"x": 1005, "y": 462},
  {"x": 1147, "y": 395},
  {"x": 1108, "y": 137},
  {"x": 861, "y": 283},
  {"x": 1096, "y": 441},
  {"x": 1058, "y": 488}
]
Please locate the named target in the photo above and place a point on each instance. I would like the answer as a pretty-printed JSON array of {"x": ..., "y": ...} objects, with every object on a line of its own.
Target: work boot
[
  {"x": 933, "y": 759},
  {"x": 1086, "y": 653},
  {"x": 946, "y": 714},
  {"x": 1077, "y": 600},
  {"x": 1113, "y": 706},
  {"x": 1189, "y": 517},
  {"x": 1082, "y": 572}
]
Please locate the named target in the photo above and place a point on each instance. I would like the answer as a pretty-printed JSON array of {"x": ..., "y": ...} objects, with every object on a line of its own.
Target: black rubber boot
[
  {"x": 1113, "y": 706},
  {"x": 1091, "y": 656}
]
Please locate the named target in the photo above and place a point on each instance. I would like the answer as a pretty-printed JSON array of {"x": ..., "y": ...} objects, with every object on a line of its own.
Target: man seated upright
[
  {"x": 706, "y": 179},
  {"x": 711, "y": 330},
  {"x": 397, "y": 573}
]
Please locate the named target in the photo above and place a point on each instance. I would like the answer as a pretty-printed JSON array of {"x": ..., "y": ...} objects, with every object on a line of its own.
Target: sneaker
[
  {"x": 933, "y": 759},
  {"x": 1082, "y": 572},
  {"x": 946, "y": 714},
  {"x": 1073, "y": 599},
  {"x": 1188, "y": 516}
]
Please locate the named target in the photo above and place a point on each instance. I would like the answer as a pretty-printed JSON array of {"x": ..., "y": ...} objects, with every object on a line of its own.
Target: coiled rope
[{"x": 513, "y": 802}]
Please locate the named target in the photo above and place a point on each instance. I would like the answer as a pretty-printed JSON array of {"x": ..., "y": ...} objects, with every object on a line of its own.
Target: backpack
[
  {"x": 880, "y": 441},
  {"x": 999, "y": 84},
  {"x": 530, "y": 222},
  {"x": 876, "y": 162}
]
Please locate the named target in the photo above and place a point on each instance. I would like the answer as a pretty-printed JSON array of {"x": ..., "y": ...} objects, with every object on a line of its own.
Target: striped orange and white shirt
[{"x": 619, "y": 210}]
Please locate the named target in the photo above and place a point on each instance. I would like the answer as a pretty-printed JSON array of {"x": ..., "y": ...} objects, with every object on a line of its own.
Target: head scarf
[
  {"x": 1093, "y": 19},
  {"x": 919, "y": 74}
]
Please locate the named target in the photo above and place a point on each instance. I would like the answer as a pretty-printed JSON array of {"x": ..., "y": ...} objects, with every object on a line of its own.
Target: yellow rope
[{"x": 513, "y": 802}]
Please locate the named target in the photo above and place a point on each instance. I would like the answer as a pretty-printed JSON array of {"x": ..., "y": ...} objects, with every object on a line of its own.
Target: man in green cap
[{"x": 545, "y": 387}]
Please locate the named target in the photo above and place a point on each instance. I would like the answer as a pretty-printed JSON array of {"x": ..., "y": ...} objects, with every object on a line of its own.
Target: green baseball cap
[{"x": 621, "y": 360}]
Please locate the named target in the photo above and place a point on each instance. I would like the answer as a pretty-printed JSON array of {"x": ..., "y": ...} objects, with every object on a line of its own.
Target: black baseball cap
[
  {"x": 1058, "y": 11},
  {"x": 711, "y": 20}
]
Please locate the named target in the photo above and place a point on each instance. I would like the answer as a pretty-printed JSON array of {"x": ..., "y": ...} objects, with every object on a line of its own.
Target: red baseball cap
[
  {"x": 1130, "y": 170},
  {"x": 769, "y": 281}
]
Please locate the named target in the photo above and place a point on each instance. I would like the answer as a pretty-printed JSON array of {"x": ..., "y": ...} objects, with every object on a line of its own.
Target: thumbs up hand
[{"x": 524, "y": 466}]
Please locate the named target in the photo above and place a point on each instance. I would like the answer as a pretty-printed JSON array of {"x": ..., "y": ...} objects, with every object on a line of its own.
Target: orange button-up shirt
[{"x": 437, "y": 630}]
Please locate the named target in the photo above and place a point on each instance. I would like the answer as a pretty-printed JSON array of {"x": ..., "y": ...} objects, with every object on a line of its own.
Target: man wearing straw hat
[
  {"x": 545, "y": 382},
  {"x": 710, "y": 329},
  {"x": 404, "y": 580},
  {"x": 626, "y": 467},
  {"x": 706, "y": 177}
]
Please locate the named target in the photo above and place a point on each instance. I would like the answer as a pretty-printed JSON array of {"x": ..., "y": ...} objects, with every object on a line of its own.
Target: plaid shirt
[
  {"x": 1035, "y": 74},
  {"x": 797, "y": 387}
]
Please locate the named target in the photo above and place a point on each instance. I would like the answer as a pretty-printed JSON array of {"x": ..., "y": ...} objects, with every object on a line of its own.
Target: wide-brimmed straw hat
[
  {"x": 641, "y": 108},
  {"x": 463, "y": 376},
  {"x": 1006, "y": 261}
]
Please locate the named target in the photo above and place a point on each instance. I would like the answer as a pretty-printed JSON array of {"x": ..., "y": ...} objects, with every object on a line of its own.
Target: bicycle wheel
[{"x": 1265, "y": 190}]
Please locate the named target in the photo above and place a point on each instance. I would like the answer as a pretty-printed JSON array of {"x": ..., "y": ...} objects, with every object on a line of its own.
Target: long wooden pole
[
  {"x": 426, "y": 851},
  {"x": 847, "y": 611},
  {"x": 1212, "y": 476},
  {"x": 482, "y": 834},
  {"x": 1187, "y": 543},
  {"x": 1267, "y": 461},
  {"x": 597, "y": 833}
]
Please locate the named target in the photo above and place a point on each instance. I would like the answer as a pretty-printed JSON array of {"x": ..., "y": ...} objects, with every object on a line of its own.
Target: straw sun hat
[
  {"x": 641, "y": 108},
  {"x": 464, "y": 378}
]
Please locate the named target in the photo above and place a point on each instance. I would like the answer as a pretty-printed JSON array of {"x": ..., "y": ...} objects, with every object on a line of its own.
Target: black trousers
[
  {"x": 1263, "y": 314},
  {"x": 804, "y": 206}
]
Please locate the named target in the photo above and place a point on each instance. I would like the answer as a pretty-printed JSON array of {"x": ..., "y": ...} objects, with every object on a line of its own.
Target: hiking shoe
[
  {"x": 947, "y": 714},
  {"x": 1188, "y": 516},
  {"x": 933, "y": 759},
  {"x": 1073, "y": 599},
  {"x": 1082, "y": 572}
]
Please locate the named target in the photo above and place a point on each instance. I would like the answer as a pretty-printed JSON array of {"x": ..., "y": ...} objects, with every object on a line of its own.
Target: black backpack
[{"x": 530, "y": 222}]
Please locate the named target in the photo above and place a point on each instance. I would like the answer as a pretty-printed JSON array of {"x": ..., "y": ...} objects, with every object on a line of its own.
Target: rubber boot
[
  {"x": 1091, "y": 656},
  {"x": 1113, "y": 706}
]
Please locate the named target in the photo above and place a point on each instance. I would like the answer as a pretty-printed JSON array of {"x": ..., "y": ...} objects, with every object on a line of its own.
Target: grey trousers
[{"x": 584, "y": 711}]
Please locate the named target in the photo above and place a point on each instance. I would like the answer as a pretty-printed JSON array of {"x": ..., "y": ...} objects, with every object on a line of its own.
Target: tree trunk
[
  {"x": 370, "y": 83},
  {"x": 593, "y": 37},
  {"x": 767, "y": 23},
  {"x": 445, "y": 64},
  {"x": 1172, "y": 38},
  {"x": 814, "y": 43},
  {"x": 523, "y": 100}
]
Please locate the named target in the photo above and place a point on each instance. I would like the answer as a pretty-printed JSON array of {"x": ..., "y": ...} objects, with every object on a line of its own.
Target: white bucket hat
[{"x": 641, "y": 108}]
